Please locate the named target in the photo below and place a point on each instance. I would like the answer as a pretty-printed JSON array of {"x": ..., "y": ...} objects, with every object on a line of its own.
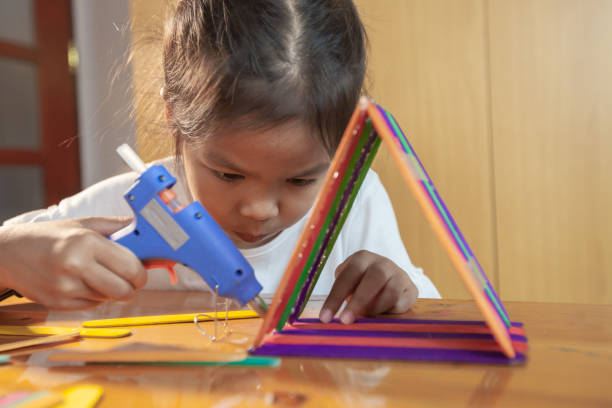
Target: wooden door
[{"x": 39, "y": 162}]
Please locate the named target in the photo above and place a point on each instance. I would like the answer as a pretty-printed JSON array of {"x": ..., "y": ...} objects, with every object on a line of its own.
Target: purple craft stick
[
  {"x": 345, "y": 197},
  {"x": 452, "y": 221},
  {"x": 471, "y": 254},
  {"x": 405, "y": 321},
  {"x": 450, "y": 233},
  {"x": 387, "y": 353},
  {"x": 395, "y": 334},
  {"x": 499, "y": 302},
  {"x": 386, "y": 116}
]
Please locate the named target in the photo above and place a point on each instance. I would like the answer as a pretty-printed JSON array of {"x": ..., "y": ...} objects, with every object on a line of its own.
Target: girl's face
[{"x": 257, "y": 183}]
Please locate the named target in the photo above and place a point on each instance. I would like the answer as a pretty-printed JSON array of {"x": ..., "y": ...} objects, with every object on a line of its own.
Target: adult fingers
[
  {"x": 55, "y": 292},
  {"x": 74, "y": 304},
  {"x": 75, "y": 288},
  {"x": 105, "y": 225},
  {"x": 122, "y": 262},
  {"x": 59, "y": 302},
  {"x": 107, "y": 283}
]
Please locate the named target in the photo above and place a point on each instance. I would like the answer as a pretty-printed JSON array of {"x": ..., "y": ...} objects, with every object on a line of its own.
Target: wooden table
[{"x": 569, "y": 363}]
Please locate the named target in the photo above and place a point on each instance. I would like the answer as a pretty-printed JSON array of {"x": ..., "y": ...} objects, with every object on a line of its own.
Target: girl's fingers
[
  {"x": 373, "y": 281},
  {"x": 343, "y": 286},
  {"x": 407, "y": 298},
  {"x": 375, "y": 285},
  {"x": 342, "y": 266},
  {"x": 389, "y": 295}
]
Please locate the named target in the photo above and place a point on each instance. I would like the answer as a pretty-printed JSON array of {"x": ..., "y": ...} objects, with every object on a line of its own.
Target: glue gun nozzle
[{"x": 258, "y": 305}]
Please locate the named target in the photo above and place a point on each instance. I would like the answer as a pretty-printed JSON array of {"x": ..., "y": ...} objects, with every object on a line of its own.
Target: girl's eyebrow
[
  {"x": 219, "y": 160},
  {"x": 317, "y": 169}
]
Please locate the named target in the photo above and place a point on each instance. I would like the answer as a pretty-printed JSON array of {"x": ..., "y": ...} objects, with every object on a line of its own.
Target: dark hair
[{"x": 261, "y": 63}]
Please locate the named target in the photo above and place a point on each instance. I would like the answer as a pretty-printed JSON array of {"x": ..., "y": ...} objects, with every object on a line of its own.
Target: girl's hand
[
  {"x": 69, "y": 264},
  {"x": 374, "y": 284}
]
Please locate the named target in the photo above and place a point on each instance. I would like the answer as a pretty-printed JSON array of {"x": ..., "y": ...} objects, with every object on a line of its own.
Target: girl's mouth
[{"x": 251, "y": 238}]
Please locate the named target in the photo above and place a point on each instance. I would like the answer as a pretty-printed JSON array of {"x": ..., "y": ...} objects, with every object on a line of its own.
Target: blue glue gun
[{"x": 164, "y": 233}]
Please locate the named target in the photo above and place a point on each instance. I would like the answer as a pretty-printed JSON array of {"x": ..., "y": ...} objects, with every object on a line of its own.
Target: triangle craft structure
[{"x": 283, "y": 332}]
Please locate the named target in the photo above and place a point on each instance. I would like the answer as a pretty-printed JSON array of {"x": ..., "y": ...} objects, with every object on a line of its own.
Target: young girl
[{"x": 257, "y": 96}]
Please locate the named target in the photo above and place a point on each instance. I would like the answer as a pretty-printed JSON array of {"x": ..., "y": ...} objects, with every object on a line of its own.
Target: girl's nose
[{"x": 260, "y": 209}]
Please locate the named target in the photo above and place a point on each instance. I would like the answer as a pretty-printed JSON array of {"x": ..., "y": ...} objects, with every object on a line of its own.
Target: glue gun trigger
[{"x": 162, "y": 264}]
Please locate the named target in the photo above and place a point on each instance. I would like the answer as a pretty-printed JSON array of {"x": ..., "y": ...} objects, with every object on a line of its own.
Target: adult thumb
[{"x": 105, "y": 225}]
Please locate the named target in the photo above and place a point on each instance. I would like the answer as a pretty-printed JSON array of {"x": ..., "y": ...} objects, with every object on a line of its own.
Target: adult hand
[{"x": 69, "y": 264}]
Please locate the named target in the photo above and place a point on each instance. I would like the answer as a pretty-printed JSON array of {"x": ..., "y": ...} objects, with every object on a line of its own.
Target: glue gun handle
[{"x": 168, "y": 265}]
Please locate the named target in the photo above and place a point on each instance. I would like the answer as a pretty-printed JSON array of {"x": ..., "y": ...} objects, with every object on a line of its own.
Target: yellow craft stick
[
  {"x": 50, "y": 330},
  {"x": 81, "y": 396},
  {"x": 165, "y": 319},
  {"x": 37, "y": 341}
]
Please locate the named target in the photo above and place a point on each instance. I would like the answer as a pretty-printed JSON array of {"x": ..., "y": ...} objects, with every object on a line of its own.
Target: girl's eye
[
  {"x": 228, "y": 176},
  {"x": 300, "y": 182}
]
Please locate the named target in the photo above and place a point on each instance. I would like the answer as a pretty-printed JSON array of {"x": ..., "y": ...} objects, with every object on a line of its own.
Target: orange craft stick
[{"x": 491, "y": 317}]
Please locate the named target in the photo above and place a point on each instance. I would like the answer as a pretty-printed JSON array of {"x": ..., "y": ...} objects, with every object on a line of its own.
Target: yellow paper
[{"x": 81, "y": 396}]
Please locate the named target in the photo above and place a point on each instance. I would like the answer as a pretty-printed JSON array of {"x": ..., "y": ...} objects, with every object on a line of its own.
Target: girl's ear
[
  {"x": 168, "y": 112},
  {"x": 162, "y": 93}
]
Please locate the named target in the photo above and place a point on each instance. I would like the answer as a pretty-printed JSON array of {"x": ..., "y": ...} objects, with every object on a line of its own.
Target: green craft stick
[
  {"x": 356, "y": 187},
  {"x": 247, "y": 362},
  {"x": 348, "y": 205},
  {"x": 317, "y": 246}
]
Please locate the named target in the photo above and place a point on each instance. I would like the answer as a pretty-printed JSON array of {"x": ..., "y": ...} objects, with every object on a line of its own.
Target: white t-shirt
[{"x": 370, "y": 225}]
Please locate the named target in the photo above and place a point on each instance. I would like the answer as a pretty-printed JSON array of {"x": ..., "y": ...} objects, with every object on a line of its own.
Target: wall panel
[
  {"x": 153, "y": 139},
  {"x": 428, "y": 66},
  {"x": 551, "y": 65}
]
